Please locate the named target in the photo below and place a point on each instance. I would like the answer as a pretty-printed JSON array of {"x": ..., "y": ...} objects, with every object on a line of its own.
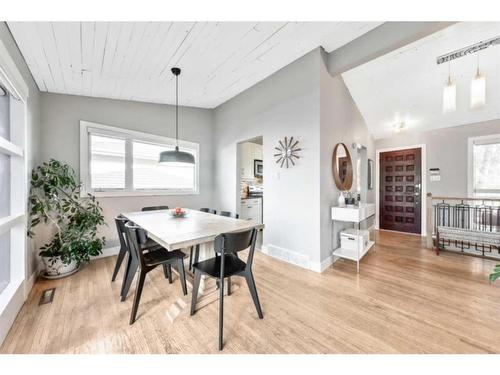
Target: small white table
[
  {"x": 353, "y": 214},
  {"x": 196, "y": 228}
]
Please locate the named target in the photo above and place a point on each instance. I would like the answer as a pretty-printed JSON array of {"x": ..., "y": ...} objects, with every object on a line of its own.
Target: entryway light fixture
[
  {"x": 449, "y": 95},
  {"x": 176, "y": 156},
  {"x": 478, "y": 89},
  {"x": 399, "y": 126}
]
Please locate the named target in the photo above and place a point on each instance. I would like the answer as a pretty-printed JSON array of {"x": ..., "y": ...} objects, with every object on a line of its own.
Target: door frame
[{"x": 423, "y": 176}]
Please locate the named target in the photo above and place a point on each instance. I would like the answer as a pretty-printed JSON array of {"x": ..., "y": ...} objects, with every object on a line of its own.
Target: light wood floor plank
[{"x": 405, "y": 300}]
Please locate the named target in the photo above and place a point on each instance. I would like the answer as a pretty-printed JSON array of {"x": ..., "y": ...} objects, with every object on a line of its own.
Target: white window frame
[
  {"x": 106, "y": 130},
  {"x": 16, "y": 292},
  {"x": 481, "y": 140}
]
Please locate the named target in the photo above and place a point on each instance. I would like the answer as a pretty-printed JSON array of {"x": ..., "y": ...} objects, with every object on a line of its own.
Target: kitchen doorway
[
  {"x": 250, "y": 181},
  {"x": 400, "y": 188}
]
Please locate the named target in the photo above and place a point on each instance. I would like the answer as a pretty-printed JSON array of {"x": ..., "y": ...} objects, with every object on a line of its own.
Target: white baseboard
[
  {"x": 295, "y": 258},
  {"x": 322, "y": 266},
  {"x": 108, "y": 252},
  {"x": 28, "y": 285}
]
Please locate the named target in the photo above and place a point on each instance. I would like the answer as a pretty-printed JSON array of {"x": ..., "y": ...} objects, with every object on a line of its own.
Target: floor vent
[{"x": 47, "y": 296}]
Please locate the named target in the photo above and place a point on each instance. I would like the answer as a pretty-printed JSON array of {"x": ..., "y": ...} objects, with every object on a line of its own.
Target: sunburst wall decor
[{"x": 287, "y": 151}]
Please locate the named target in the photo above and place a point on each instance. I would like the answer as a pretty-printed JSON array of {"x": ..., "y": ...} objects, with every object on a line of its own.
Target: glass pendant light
[
  {"x": 176, "y": 156},
  {"x": 478, "y": 89},
  {"x": 449, "y": 95}
]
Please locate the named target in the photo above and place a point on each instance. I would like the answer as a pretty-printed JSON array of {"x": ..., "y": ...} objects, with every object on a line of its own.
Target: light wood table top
[{"x": 195, "y": 228}]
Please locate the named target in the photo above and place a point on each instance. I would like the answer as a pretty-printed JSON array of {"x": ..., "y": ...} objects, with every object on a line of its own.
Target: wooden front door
[{"x": 400, "y": 190}]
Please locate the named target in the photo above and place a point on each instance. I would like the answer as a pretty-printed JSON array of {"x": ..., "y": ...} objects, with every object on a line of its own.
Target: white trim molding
[
  {"x": 423, "y": 193},
  {"x": 10, "y": 76},
  {"x": 87, "y": 127},
  {"x": 471, "y": 141}
]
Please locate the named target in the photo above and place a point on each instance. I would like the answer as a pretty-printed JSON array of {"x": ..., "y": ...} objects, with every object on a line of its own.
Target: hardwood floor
[{"x": 405, "y": 300}]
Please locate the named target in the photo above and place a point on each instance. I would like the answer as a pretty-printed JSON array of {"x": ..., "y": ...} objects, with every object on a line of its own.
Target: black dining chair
[
  {"x": 149, "y": 260},
  {"x": 227, "y": 264},
  {"x": 209, "y": 210},
  {"x": 229, "y": 214},
  {"x": 130, "y": 268},
  {"x": 154, "y": 208}
]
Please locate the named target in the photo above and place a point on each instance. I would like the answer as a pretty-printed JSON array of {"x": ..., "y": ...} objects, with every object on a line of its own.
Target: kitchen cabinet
[{"x": 251, "y": 208}]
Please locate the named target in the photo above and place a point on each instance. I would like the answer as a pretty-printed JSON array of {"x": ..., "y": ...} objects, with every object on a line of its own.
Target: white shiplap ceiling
[
  {"x": 132, "y": 60},
  {"x": 407, "y": 84}
]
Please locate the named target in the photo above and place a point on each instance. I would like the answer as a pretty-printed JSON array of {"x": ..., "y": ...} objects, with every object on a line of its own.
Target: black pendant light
[{"x": 176, "y": 156}]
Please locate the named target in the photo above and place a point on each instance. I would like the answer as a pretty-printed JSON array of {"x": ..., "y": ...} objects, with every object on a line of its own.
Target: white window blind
[
  {"x": 486, "y": 170},
  {"x": 107, "y": 162},
  {"x": 149, "y": 174},
  {"x": 124, "y": 162}
]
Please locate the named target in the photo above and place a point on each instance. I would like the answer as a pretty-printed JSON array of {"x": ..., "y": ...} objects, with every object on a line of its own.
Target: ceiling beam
[{"x": 381, "y": 40}]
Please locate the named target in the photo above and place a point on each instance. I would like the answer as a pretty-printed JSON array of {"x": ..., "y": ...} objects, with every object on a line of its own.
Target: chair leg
[
  {"x": 229, "y": 286},
  {"x": 137, "y": 298},
  {"x": 221, "y": 314},
  {"x": 169, "y": 270},
  {"x": 196, "y": 286},
  {"x": 190, "y": 258},
  {"x": 196, "y": 254},
  {"x": 119, "y": 260},
  {"x": 132, "y": 270},
  {"x": 165, "y": 271},
  {"x": 253, "y": 292},
  {"x": 182, "y": 275},
  {"x": 125, "y": 274}
]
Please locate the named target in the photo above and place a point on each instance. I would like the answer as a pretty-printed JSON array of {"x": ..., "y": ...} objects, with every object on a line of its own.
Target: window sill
[{"x": 117, "y": 194}]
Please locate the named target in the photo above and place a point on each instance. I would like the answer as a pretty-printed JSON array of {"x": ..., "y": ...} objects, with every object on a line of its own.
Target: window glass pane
[
  {"x": 4, "y": 185},
  {"x": 149, "y": 174},
  {"x": 107, "y": 162},
  {"x": 486, "y": 166},
  {"x": 4, "y": 114},
  {"x": 4, "y": 260}
]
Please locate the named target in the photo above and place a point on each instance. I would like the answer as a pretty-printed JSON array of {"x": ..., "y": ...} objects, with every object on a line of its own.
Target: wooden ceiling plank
[
  {"x": 50, "y": 51},
  {"x": 157, "y": 35},
  {"x": 100, "y": 41},
  {"x": 87, "y": 30},
  {"x": 25, "y": 37}
]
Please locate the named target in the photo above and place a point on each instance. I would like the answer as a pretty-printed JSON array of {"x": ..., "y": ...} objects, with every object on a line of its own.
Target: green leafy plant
[
  {"x": 496, "y": 273},
  {"x": 55, "y": 199}
]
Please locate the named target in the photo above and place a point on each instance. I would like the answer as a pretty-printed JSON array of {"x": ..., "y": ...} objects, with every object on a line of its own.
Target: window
[
  {"x": 484, "y": 159},
  {"x": 118, "y": 162}
]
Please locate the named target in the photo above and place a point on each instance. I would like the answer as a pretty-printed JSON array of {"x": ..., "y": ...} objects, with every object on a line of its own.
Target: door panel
[{"x": 400, "y": 190}]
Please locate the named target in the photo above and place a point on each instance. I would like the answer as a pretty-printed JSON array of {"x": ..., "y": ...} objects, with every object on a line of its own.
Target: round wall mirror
[{"x": 342, "y": 167}]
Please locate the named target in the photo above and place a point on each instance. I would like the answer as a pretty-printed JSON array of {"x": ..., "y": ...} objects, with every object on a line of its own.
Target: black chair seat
[
  {"x": 161, "y": 255},
  {"x": 150, "y": 245},
  {"x": 232, "y": 266}
]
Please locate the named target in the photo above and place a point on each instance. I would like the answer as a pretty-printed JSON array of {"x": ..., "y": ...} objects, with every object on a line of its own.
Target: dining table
[{"x": 187, "y": 231}]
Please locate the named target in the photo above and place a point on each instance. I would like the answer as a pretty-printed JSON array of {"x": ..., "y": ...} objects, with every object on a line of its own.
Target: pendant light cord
[{"x": 177, "y": 112}]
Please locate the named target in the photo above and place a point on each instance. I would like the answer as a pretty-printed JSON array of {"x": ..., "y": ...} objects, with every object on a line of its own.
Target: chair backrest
[
  {"x": 229, "y": 214},
  {"x": 230, "y": 243},
  {"x": 134, "y": 241},
  {"x": 154, "y": 208},
  {"x": 120, "y": 227},
  {"x": 209, "y": 210}
]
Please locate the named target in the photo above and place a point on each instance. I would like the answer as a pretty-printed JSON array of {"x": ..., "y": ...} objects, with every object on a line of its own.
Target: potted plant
[
  {"x": 495, "y": 274},
  {"x": 55, "y": 200}
]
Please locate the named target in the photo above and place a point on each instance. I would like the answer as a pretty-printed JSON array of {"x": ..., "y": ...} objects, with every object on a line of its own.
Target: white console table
[{"x": 353, "y": 214}]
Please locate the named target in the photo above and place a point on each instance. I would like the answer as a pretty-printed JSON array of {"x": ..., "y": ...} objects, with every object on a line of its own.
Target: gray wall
[
  {"x": 284, "y": 104},
  {"x": 341, "y": 121},
  {"x": 447, "y": 150},
  {"x": 33, "y": 132},
  {"x": 60, "y": 139}
]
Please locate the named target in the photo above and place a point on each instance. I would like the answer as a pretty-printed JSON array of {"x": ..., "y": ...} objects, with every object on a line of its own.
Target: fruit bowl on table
[{"x": 178, "y": 212}]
